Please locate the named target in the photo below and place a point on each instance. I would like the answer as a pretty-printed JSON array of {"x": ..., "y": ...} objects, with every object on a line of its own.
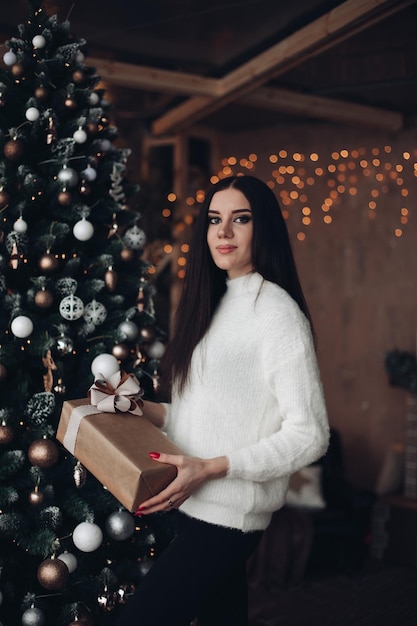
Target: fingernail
[
  {"x": 154, "y": 455},
  {"x": 139, "y": 511}
]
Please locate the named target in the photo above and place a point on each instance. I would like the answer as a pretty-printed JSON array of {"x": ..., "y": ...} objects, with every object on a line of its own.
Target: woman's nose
[{"x": 225, "y": 230}]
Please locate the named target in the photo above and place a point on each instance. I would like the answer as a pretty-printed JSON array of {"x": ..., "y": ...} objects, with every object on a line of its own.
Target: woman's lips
[{"x": 226, "y": 249}]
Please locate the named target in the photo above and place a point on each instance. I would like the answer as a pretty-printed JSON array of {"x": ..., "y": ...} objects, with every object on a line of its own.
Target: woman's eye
[
  {"x": 243, "y": 219},
  {"x": 213, "y": 220}
]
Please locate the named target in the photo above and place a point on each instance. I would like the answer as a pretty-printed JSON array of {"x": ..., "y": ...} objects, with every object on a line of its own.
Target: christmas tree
[{"x": 75, "y": 301}]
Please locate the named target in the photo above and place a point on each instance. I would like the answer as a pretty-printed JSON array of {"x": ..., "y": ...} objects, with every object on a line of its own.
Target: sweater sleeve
[{"x": 292, "y": 376}]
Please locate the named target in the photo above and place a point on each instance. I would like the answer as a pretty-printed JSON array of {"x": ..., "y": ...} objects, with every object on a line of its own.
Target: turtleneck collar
[{"x": 244, "y": 284}]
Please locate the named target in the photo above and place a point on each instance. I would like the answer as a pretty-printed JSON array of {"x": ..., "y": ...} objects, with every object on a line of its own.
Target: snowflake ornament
[
  {"x": 71, "y": 308},
  {"x": 135, "y": 238},
  {"x": 95, "y": 313}
]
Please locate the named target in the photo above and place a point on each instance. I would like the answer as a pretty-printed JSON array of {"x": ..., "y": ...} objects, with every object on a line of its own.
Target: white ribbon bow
[{"x": 120, "y": 393}]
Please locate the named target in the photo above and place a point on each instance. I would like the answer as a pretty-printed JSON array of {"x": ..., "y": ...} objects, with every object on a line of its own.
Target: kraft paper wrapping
[{"x": 115, "y": 448}]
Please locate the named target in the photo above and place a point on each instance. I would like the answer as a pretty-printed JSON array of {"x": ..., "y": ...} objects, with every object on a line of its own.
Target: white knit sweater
[{"x": 254, "y": 395}]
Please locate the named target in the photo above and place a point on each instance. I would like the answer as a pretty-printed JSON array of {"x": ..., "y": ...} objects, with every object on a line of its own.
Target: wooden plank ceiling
[{"x": 259, "y": 61}]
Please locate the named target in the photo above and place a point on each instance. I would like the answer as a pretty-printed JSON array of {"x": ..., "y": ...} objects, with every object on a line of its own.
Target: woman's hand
[{"x": 192, "y": 472}]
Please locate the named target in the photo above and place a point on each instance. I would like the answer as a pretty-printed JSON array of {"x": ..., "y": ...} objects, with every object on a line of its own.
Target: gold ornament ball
[
  {"x": 43, "y": 453},
  {"x": 64, "y": 198},
  {"x": 3, "y": 372},
  {"x": 4, "y": 199},
  {"x": 13, "y": 149},
  {"x": 6, "y": 434},
  {"x": 48, "y": 263},
  {"x": 127, "y": 254},
  {"x": 53, "y": 574},
  {"x": 120, "y": 351},
  {"x": 43, "y": 298}
]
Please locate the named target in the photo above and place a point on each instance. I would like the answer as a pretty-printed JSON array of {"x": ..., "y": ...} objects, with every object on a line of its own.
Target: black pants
[{"x": 202, "y": 574}]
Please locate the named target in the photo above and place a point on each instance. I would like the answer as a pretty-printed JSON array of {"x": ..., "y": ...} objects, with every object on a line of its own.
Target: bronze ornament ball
[
  {"x": 120, "y": 351},
  {"x": 13, "y": 149},
  {"x": 127, "y": 254},
  {"x": 64, "y": 198},
  {"x": 4, "y": 199},
  {"x": 48, "y": 263},
  {"x": 53, "y": 574},
  {"x": 6, "y": 434},
  {"x": 36, "y": 497},
  {"x": 41, "y": 93},
  {"x": 78, "y": 77},
  {"x": 3, "y": 372},
  {"x": 70, "y": 102},
  {"x": 17, "y": 69},
  {"x": 43, "y": 298},
  {"x": 147, "y": 334},
  {"x": 43, "y": 453}
]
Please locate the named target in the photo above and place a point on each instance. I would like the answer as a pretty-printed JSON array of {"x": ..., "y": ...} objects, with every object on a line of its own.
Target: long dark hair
[{"x": 205, "y": 283}]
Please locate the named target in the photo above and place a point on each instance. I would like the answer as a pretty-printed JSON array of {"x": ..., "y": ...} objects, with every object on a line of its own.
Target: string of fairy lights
[{"x": 314, "y": 186}]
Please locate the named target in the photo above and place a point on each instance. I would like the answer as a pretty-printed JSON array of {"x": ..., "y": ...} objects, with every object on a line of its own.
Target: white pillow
[{"x": 305, "y": 490}]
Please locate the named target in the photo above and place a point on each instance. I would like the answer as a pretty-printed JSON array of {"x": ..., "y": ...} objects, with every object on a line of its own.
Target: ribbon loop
[{"x": 120, "y": 393}]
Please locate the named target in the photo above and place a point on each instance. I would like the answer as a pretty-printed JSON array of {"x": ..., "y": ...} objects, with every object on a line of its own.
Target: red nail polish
[
  {"x": 139, "y": 511},
  {"x": 154, "y": 455}
]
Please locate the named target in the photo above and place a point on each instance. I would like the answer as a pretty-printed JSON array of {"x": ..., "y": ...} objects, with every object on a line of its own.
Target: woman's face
[{"x": 229, "y": 233}]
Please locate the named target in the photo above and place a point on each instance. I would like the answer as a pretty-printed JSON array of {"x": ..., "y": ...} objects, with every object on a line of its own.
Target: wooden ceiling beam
[
  {"x": 341, "y": 22},
  {"x": 154, "y": 79},
  {"x": 317, "y": 107}
]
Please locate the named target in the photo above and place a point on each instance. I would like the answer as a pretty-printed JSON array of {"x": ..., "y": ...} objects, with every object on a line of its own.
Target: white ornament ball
[
  {"x": 83, "y": 230},
  {"x": 105, "y": 364},
  {"x": 120, "y": 525},
  {"x": 9, "y": 58},
  {"x": 71, "y": 308},
  {"x": 89, "y": 173},
  {"x": 87, "y": 536},
  {"x": 135, "y": 238},
  {"x": 156, "y": 350},
  {"x": 22, "y": 326},
  {"x": 39, "y": 41},
  {"x": 70, "y": 561},
  {"x": 20, "y": 226},
  {"x": 80, "y": 57},
  {"x": 32, "y": 114},
  {"x": 80, "y": 136},
  {"x": 128, "y": 330},
  {"x": 95, "y": 312},
  {"x": 93, "y": 98},
  {"x": 33, "y": 617}
]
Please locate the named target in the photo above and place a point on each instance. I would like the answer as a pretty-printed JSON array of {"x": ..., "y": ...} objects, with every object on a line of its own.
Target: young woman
[{"x": 247, "y": 408}]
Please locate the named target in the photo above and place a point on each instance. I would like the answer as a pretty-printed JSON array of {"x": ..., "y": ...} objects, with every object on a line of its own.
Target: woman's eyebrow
[{"x": 235, "y": 211}]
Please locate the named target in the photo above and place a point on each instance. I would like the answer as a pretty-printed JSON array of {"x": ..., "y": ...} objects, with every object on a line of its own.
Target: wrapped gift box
[{"x": 115, "y": 448}]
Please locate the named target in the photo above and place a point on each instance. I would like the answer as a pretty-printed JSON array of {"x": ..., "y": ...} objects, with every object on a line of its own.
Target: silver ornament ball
[
  {"x": 128, "y": 330},
  {"x": 64, "y": 345},
  {"x": 120, "y": 525},
  {"x": 68, "y": 176},
  {"x": 33, "y": 617}
]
